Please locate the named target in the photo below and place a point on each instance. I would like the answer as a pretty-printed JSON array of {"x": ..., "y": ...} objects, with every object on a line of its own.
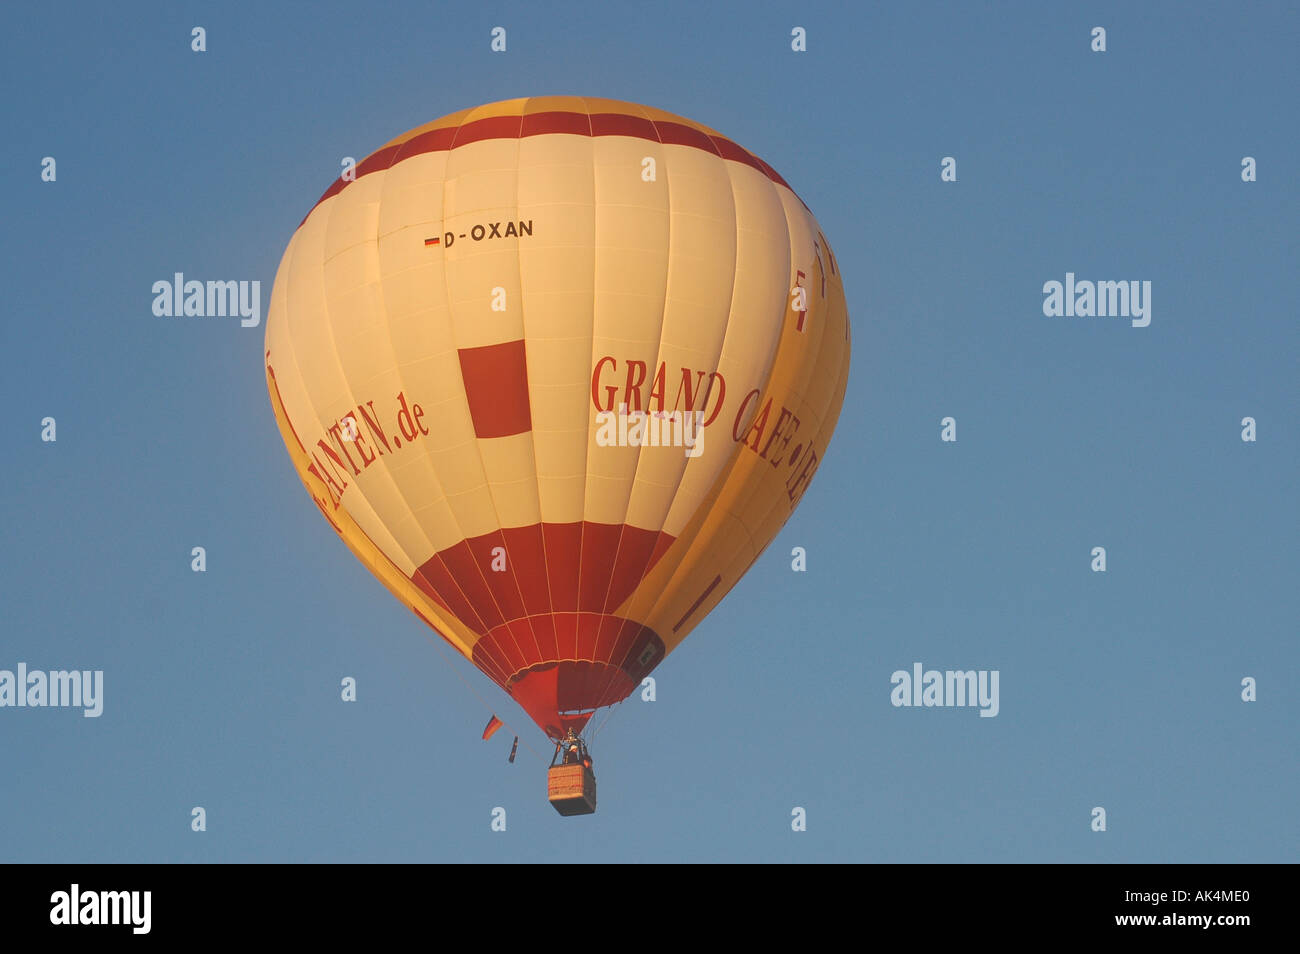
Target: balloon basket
[{"x": 572, "y": 789}]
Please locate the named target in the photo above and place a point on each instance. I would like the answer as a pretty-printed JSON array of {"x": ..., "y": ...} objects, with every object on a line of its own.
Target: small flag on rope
[
  {"x": 493, "y": 724},
  {"x": 514, "y": 748}
]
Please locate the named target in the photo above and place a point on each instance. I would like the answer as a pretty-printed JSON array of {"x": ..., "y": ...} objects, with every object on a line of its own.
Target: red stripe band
[
  {"x": 550, "y": 123},
  {"x": 696, "y": 605}
]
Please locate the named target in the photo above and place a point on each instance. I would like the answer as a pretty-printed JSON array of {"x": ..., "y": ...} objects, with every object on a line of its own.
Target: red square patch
[{"x": 496, "y": 385}]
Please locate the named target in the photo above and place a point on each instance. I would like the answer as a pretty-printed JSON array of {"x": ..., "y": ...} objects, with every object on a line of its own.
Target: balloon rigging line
[
  {"x": 482, "y": 701},
  {"x": 609, "y": 714}
]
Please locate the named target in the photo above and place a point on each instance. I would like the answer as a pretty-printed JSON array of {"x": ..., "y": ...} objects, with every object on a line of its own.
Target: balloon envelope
[{"x": 557, "y": 370}]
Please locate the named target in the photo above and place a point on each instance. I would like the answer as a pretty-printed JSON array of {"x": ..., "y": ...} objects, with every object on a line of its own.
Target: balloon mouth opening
[
  {"x": 560, "y": 696},
  {"x": 562, "y": 692}
]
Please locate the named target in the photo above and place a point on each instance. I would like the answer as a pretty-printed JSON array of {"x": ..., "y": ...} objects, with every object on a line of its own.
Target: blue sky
[{"x": 1119, "y": 690}]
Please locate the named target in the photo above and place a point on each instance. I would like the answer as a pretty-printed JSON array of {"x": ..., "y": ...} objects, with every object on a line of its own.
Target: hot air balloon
[{"x": 556, "y": 370}]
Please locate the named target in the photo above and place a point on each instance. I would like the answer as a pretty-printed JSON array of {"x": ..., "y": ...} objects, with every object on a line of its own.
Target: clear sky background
[{"x": 1119, "y": 690}]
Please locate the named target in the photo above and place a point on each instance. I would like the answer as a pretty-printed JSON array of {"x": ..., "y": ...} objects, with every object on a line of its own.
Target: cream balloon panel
[
  {"x": 814, "y": 393},
  {"x": 352, "y": 363},
  {"x": 740, "y": 362},
  {"x": 632, "y": 268},
  {"x": 744, "y": 357},
  {"x": 433, "y": 497},
  {"x": 388, "y": 346},
  {"x": 547, "y": 279},
  {"x": 291, "y": 302},
  {"x": 481, "y": 187},
  {"x": 720, "y": 312},
  {"x": 752, "y": 503},
  {"x": 557, "y": 190}
]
